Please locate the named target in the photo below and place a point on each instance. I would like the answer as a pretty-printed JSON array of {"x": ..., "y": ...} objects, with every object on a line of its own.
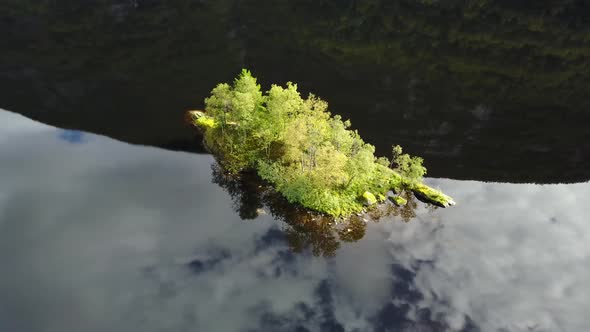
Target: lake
[
  {"x": 483, "y": 90},
  {"x": 114, "y": 218},
  {"x": 102, "y": 235}
]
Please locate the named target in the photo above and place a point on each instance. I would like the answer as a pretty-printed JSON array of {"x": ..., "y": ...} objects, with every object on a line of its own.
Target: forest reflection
[
  {"x": 440, "y": 78},
  {"x": 305, "y": 230}
]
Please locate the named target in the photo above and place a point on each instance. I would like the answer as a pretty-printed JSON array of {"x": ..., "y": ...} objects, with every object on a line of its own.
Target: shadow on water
[
  {"x": 483, "y": 90},
  {"x": 305, "y": 230}
]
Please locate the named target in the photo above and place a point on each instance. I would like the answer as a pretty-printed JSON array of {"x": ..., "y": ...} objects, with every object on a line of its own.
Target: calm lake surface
[
  {"x": 483, "y": 90},
  {"x": 100, "y": 235},
  {"x": 113, "y": 217}
]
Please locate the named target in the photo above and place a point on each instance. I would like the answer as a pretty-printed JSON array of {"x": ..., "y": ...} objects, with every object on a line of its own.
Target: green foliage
[
  {"x": 409, "y": 167},
  {"x": 236, "y": 110},
  {"x": 311, "y": 157}
]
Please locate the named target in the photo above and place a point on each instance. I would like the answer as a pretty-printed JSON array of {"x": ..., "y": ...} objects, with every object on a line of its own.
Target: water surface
[
  {"x": 483, "y": 90},
  {"x": 100, "y": 235}
]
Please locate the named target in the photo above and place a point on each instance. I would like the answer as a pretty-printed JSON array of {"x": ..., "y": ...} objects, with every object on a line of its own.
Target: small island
[{"x": 308, "y": 155}]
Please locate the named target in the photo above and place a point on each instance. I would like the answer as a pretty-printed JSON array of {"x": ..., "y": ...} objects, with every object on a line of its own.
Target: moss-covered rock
[
  {"x": 201, "y": 120},
  {"x": 431, "y": 195},
  {"x": 206, "y": 122},
  {"x": 369, "y": 199},
  {"x": 398, "y": 200}
]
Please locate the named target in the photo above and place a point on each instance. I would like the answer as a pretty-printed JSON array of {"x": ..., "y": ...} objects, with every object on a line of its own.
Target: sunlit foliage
[{"x": 312, "y": 157}]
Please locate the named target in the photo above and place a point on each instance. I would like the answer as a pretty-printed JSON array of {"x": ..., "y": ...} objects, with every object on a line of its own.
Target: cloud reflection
[
  {"x": 511, "y": 258},
  {"x": 114, "y": 237}
]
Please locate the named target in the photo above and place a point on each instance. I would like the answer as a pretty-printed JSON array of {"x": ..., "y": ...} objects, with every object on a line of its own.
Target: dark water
[
  {"x": 483, "y": 90},
  {"x": 99, "y": 235}
]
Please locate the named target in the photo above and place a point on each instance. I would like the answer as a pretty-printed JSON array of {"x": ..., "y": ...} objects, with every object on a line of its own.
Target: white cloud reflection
[
  {"x": 102, "y": 237},
  {"x": 511, "y": 257}
]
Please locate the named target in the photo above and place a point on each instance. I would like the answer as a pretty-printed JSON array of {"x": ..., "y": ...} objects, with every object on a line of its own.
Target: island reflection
[{"x": 304, "y": 229}]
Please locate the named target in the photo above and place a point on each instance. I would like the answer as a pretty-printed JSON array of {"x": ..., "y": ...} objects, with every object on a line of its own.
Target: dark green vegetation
[
  {"x": 310, "y": 156},
  {"x": 487, "y": 90}
]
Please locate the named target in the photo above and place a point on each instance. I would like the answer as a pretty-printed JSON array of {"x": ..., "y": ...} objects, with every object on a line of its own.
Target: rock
[
  {"x": 432, "y": 196},
  {"x": 369, "y": 198},
  {"x": 398, "y": 200},
  {"x": 200, "y": 119}
]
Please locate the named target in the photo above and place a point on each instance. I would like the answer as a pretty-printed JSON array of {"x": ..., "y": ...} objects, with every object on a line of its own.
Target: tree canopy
[{"x": 312, "y": 157}]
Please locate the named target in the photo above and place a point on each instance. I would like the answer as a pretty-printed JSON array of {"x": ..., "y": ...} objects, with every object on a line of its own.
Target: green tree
[
  {"x": 409, "y": 167},
  {"x": 311, "y": 157}
]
